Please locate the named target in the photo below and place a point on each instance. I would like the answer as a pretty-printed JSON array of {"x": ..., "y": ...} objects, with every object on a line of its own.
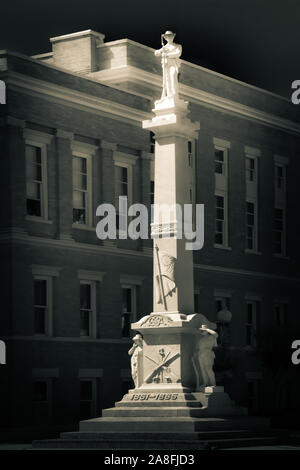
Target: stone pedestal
[{"x": 168, "y": 345}]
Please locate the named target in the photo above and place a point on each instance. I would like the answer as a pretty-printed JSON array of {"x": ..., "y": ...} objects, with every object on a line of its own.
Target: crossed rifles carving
[{"x": 162, "y": 366}]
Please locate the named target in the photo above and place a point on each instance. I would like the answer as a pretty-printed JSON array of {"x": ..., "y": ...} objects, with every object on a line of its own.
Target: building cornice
[
  {"x": 194, "y": 95},
  {"x": 213, "y": 73},
  {"x": 76, "y": 99},
  {"x": 153, "y": 81}
]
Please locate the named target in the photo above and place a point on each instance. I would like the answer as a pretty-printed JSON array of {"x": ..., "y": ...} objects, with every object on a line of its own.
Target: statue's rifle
[
  {"x": 165, "y": 362},
  {"x": 163, "y": 61},
  {"x": 160, "y": 281}
]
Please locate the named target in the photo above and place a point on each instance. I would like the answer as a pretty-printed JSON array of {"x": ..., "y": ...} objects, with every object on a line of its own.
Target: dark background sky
[{"x": 256, "y": 41}]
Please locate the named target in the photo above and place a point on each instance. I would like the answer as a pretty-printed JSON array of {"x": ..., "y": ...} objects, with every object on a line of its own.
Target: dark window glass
[
  {"x": 86, "y": 399},
  {"x": 40, "y": 391},
  {"x": 40, "y": 306},
  {"x": 85, "y": 309},
  {"x": 126, "y": 311}
]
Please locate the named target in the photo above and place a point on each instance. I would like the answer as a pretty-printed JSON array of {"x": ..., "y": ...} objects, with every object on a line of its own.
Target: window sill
[
  {"x": 42, "y": 335},
  {"x": 252, "y": 252},
  {"x": 222, "y": 247},
  {"x": 277, "y": 255},
  {"x": 32, "y": 218},
  {"x": 84, "y": 227}
]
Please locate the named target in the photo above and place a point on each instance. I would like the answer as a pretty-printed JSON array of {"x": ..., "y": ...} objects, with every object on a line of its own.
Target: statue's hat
[
  {"x": 169, "y": 33},
  {"x": 205, "y": 328},
  {"x": 138, "y": 336}
]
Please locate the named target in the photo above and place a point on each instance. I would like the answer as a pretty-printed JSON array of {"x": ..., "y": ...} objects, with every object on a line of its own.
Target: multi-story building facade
[{"x": 71, "y": 138}]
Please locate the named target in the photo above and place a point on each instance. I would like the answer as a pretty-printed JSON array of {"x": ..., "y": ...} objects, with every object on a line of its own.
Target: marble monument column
[{"x": 170, "y": 333}]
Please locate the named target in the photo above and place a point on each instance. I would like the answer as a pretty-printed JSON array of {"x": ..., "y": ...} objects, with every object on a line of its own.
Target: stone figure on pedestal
[
  {"x": 170, "y": 54},
  {"x": 136, "y": 359},
  {"x": 204, "y": 356}
]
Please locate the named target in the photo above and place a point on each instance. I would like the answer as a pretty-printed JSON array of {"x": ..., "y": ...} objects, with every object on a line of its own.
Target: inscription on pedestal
[
  {"x": 154, "y": 396},
  {"x": 157, "y": 320}
]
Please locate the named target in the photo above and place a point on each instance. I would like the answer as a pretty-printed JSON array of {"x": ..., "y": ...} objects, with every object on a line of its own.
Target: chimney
[{"x": 77, "y": 51}]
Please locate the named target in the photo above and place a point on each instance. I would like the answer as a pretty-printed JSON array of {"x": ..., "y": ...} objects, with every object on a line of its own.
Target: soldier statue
[
  {"x": 136, "y": 359},
  {"x": 204, "y": 356},
  {"x": 169, "y": 54}
]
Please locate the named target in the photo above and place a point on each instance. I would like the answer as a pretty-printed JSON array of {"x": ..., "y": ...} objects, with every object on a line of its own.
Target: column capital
[
  {"x": 104, "y": 144},
  {"x": 64, "y": 134}
]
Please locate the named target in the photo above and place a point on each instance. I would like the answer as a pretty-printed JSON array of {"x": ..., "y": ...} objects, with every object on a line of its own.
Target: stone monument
[{"x": 175, "y": 397}]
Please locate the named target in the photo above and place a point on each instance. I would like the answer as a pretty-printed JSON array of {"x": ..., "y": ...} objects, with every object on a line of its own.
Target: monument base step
[
  {"x": 164, "y": 412},
  {"x": 179, "y": 424},
  {"x": 164, "y": 421},
  {"x": 206, "y": 440}
]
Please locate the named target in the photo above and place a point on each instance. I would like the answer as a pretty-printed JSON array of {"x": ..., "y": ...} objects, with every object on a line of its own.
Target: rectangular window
[
  {"x": 88, "y": 398},
  {"x": 35, "y": 181},
  {"x": 152, "y": 142},
  {"x": 250, "y": 169},
  {"x": 128, "y": 308},
  {"x": 121, "y": 189},
  {"x": 281, "y": 314},
  {"x": 81, "y": 196},
  {"x": 220, "y": 220},
  {"x": 280, "y": 177},
  {"x": 190, "y": 153},
  {"x": 196, "y": 301},
  {"x": 40, "y": 391},
  {"x": 279, "y": 231},
  {"x": 252, "y": 156},
  {"x": 121, "y": 182},
  {"x": 152, "y": 192},
  {"x": 42, "y": 401},
  {"x": 152, "y": 184},
  {"x": 220, "y": 163},
  {"x": 221, "y": 159},
  {"x": 40, "y": 306},
  {"x": 251, "y": 322},
  {"x": 251, "y": 243},
  {"x": 87, "y": 308},
  {"x": 222, "y": 303},
  {"x": 253, "y": 396},
  {"x": 280, "y": 205}
]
